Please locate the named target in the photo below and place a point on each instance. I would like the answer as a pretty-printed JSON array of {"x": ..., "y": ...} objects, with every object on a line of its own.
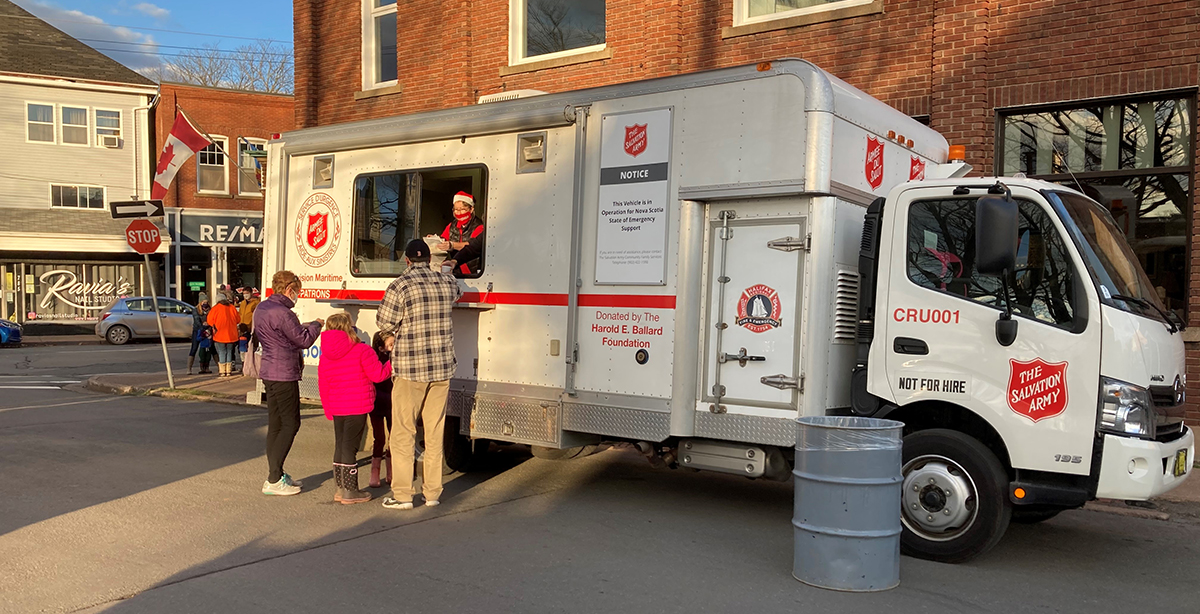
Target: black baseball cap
[{"x": 415, "y": 249}]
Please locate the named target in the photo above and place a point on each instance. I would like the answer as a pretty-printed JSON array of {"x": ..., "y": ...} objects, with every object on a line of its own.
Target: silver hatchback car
[{"x": 133, "y": 318}]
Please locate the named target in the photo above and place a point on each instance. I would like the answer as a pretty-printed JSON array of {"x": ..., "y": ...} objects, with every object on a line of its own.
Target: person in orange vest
[{"x": 224, "y": 318}]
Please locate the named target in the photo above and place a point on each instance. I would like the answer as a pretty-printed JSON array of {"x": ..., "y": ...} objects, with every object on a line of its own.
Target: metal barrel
[{"x": 846, "y": 521}]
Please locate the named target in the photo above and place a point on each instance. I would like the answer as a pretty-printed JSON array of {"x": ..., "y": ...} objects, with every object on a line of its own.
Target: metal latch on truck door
[
  {"x": 782, "y": 381},
  {"x": 790, "y": 244},
  {"x": 742, "y": 357}
]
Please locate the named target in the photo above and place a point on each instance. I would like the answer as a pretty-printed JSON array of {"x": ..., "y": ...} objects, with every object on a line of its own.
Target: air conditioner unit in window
[{"x": 110, "y": 141}]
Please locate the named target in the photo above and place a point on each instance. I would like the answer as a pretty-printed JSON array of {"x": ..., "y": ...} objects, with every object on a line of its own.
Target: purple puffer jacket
[{"x": 282, "y": 337}]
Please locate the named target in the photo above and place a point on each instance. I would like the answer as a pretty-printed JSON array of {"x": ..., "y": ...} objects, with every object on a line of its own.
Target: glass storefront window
[{"x": 1133, "y": 157}]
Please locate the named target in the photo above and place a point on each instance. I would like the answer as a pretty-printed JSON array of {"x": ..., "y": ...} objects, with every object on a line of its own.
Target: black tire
[
  {"x": 1033, "y": 514},
  {"x": 457, "y": 450},
  {"x": 118, "y": 335},
  {"x": 563, "y": 454},
  {"x": 940, "y": 457}
]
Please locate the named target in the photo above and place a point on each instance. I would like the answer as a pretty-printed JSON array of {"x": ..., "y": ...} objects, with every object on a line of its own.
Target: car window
[{"x": 138, "y": 305}]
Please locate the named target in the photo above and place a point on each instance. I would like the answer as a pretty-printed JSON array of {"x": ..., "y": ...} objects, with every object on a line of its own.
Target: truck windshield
[{"x": 1119, "y": 276}]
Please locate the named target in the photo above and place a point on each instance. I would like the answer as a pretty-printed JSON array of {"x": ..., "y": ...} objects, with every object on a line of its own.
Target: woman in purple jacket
[{"x": 282, "y": 337}]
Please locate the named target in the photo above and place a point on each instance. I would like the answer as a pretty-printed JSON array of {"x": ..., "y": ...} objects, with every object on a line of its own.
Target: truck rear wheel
[
  {"x": 954, "y": 503},
  {"x": 458, "y": 451}
]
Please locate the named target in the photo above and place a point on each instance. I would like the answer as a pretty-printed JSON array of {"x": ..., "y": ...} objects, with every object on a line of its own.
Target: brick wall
[
  {"x": 220, "y": 112},
  {"x": 954, "y": 60}
]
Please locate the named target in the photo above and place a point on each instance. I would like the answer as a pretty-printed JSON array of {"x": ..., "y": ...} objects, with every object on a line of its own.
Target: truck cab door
[
  {"x": 752, "y": 363},
  {"x": 939, "y": 318}
]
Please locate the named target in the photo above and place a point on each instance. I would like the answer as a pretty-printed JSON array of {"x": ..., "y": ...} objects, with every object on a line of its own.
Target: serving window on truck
[
  {"x": 391, "y": 209},
  {"x": 941, "y": 256}
]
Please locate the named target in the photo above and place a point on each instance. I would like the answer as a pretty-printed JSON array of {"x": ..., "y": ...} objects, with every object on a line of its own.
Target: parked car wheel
[
  {"x": 955, "y": 504},
  {"x": 118, "y": 335}
]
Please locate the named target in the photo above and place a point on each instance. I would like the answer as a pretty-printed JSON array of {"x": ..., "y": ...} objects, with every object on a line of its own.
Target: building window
[
  {"x": 211, "y": 175},
  {"x": 74, "y": 126},
  {"x": 41, "y": 122},
  {"x": 1133, "y": 157},
  {"x": 941, "y": 257},
  {"x": 379, "y": 43},
  {"x": 108, "y": 124},
  {"x": 77, "y": 196},
  {"x": 392, "y": 209},
  {"x": 755, "y": 11},
  {"x": 251, "y": 173},
  {"x": 546, "y": 29}
]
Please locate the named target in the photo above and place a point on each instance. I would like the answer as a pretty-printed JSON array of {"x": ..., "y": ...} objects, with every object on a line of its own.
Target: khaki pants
[{"x": 409, "y": 400}]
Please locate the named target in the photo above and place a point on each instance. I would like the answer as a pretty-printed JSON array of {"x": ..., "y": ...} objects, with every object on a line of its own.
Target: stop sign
[{"x": 142, "y": 236}]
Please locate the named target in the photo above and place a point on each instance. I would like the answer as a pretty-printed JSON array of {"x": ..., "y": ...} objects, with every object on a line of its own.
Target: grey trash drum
[{"x": 846, "y": 520}]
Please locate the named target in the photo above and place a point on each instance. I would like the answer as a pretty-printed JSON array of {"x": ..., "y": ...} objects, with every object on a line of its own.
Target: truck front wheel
[{"x": 954, "y": 504}]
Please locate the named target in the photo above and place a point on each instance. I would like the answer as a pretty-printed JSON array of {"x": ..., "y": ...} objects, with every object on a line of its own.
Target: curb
[
  {"x": 95, "y": 384},
  {"x": 32, "y": 342},
  {"x": 1123, "y": 510}
]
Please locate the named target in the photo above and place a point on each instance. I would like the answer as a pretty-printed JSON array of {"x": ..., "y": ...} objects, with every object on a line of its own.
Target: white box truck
[{"x": 690, "y": 263}]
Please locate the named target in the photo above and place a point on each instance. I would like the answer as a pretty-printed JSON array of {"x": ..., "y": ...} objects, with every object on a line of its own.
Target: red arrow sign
[{"x": 142, "y": 236}]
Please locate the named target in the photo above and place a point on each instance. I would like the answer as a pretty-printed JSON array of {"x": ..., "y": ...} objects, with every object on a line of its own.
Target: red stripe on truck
[{"x": 637, "y": 301}]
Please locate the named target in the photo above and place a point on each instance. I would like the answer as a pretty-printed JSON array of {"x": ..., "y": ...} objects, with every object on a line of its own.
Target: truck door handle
[
  {"x": 741, "y": 357},
  {"x": 908, "y": 345}
]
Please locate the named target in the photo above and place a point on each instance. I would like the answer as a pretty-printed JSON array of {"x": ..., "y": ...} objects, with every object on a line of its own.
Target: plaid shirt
[{"x": 416, "y": 307}]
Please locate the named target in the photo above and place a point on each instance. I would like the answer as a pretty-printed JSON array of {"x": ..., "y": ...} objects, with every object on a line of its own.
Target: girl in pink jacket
[{"x": 347, "y": 374}]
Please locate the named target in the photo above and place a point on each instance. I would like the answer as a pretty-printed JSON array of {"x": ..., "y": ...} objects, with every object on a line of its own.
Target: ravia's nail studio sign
[{"x": 62, "y": 287}]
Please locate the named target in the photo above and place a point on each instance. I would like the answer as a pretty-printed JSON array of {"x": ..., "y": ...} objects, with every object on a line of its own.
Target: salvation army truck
[{"x": 690, "y": 263}]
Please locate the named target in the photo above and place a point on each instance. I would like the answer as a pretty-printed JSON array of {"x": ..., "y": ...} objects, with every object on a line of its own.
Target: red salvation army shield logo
[
  {"x": 916, "y": 169},
  {"x": 759, "y": 309},
  {"x": 1037, "y": 389},
  {"x": 635, "y": 139},
  {"x": 874, "y": 164},
  {"x": 318, "y": 229}
]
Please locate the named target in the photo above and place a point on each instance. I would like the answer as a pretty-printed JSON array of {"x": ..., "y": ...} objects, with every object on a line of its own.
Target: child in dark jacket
[
  {"x": 346, "y": 377},
  {"x": 381, "y": 414}
]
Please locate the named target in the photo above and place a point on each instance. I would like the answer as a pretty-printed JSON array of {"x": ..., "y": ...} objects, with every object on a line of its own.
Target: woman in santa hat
[{"x": 466, "y": 226}]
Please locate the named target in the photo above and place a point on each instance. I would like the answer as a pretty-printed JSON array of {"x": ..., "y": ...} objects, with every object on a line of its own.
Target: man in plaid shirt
[{"x": 416, "y": 308}]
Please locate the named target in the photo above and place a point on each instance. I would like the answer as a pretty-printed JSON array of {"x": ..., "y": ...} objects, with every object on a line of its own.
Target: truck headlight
[{"x": 1125, "y": 409}]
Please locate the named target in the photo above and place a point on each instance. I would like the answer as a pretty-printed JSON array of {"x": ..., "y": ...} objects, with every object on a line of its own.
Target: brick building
[
  {"x": 1102, "y": 94},
  {"x": 215, "y": 205}
]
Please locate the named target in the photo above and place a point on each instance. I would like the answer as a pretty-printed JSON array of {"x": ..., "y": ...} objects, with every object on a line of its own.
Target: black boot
[
  {"x": 339, "y": 482},
  {"x": 349, "y": 491}
]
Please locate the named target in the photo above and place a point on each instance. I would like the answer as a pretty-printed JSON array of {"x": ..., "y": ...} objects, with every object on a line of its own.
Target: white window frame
[
  {"x": 224, "y": 143},
  {"x": 517, "y": 41},
  {"x": 257, "y": 193},
  {"x": 369, "y": 13},
  {"x": 741, "y": 11},
  {"x": 63, "y": 125},
  {"x": 50, "y": 195},
  {"x": 96, "y": 128},
  {"x": 53, "y": 122}
]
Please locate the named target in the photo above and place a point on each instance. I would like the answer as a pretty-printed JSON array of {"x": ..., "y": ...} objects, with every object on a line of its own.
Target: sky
[{"x": 141, "y": 34}]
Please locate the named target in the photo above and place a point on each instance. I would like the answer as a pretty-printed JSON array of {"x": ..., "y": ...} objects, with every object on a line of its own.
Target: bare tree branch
[{"x": 263, "y": 66}]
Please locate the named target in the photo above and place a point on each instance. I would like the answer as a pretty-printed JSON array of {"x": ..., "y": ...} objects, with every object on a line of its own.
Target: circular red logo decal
[
  {"x": 318, "y": 229},
  {"x": 759, "y": 309}
]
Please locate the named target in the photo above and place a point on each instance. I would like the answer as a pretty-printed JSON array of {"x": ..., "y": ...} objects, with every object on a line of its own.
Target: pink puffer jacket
[{"x": 347, "y": 374}]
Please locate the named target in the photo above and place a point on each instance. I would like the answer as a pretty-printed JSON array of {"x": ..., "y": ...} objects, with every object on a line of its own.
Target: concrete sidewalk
[{"x": 198, "y": 387}]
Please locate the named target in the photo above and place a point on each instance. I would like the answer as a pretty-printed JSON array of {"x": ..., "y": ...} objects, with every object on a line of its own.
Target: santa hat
[
  {"x": 254, "y": 292},
  {"x": 464, "y": 197}
]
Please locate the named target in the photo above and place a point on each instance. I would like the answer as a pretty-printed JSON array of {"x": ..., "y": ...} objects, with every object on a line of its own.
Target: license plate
[{"x": 1181, "y": 464}]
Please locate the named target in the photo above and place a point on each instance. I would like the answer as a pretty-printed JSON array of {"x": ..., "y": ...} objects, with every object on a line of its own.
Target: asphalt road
[{"x": 143, "y": 504}]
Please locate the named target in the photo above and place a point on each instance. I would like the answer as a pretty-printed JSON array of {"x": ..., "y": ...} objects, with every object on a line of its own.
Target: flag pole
[{"x": 207, "y": 136}]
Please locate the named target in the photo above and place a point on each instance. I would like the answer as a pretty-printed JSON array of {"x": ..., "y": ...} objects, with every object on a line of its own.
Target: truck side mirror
[{"x": 995, "y": 235}]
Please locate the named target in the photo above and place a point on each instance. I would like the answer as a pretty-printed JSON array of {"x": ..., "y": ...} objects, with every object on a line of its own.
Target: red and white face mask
[{"x": 462, "y": 216}]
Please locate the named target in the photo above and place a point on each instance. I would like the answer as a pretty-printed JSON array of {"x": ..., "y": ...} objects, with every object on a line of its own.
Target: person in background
[
  {"x": 417, "y": 309},
  {"x": 466, "y": 226},
  {"x": 224, "y": 319},
  {"x": 381, "y": 414},
  {"x": 199, "y": 319},
  {"x": 282, "y": 337},
  {"x": 346, "y": 377},
  {"x": 243, "y": 344},
  {"x": 249, "y": 305}
]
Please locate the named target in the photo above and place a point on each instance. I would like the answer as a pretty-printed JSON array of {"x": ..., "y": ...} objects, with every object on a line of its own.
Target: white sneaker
[
  {"x": 432, "y": 503},
  {"x": 282, "y": 487},
  {"x": 393, "y": 504}
]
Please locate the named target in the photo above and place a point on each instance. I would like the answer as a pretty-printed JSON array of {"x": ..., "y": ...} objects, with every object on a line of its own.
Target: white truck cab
[{"x": 1070, "y": 388}]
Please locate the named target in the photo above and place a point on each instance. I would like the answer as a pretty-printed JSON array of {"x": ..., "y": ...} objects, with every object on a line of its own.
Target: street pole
[{"x": 162, "y": 338}]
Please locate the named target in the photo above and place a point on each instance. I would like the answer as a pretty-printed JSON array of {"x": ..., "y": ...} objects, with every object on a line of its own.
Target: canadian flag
[{"x": 182, "y": 143}]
